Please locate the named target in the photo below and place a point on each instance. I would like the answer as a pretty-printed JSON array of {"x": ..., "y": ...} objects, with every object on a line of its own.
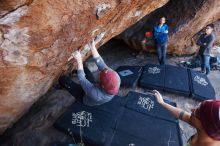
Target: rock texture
[
  {"x": 38, "y": 36},
  {"x": 185, "y": 18},
  {"x": 217, "y": 31},
  {"x": 35, "y": 128}
]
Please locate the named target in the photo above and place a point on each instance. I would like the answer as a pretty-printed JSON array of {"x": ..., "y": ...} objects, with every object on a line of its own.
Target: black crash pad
[
  {"x": 147, "y": 104},
  {"x": 176, "y": 80},
  {"x": 153, "y": 77},
  {"x": 124, "y": 139},
  {"x": 201, "y": 87},
  {"x": 113, "y": 106},
  {"x": 129, "y": 75},
  {"x": 63, "y": 144},
  {"x": 112, "y": 124},
  {"x": 74, "y": 88},
  {"x": 100, "y": 124},
  {"x": 153, "y": 131}
]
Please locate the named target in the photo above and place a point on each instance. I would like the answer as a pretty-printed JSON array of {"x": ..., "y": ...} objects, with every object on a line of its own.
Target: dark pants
[
  {"x": 75, "y": 89},
  {"x": 205, "y": 63},
  {"x": 161, "y": 53}
]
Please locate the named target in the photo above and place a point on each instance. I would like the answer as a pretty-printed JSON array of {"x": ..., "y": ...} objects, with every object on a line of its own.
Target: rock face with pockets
[
  {"x": 185, "y": 19},
  {"x": 38, "y": 36}
]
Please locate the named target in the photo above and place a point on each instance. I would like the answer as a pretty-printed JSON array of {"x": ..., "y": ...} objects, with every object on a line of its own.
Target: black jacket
[{"x": 206, "y": 43}]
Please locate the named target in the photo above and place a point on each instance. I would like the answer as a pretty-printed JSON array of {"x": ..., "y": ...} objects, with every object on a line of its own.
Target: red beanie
[
  {"x": 148, "y": 34},
  {"x": 210, "y": 117},
  {"x": 110, "y": 81}
]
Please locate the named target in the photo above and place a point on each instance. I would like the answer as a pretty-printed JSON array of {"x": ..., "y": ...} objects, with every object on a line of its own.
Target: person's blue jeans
[
  {"x": 161, "y": 53},
  {"x": 205, "y": 63}
]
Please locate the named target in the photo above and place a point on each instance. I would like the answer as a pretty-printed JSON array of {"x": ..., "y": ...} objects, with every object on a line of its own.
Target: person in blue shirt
[{"x": 161, "y": 37}]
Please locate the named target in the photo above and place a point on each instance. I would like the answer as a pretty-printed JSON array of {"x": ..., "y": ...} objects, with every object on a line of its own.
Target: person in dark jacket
[
  {"x": 161, "y": 38},
  {"x": 205, "y": 42}
]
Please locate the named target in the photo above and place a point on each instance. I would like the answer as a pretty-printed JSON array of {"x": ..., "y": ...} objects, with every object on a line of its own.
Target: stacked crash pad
[
  {"x": 145, "y": 122},
  {"x": 135, "y": 119},
  {"x": 92, "y": 125}
]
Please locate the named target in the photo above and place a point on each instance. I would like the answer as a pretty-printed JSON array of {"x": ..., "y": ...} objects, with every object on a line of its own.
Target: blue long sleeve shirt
[{"x": 160, "y": 36}]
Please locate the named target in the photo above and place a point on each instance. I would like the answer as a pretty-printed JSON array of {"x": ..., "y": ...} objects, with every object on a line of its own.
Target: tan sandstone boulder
[{"x": 38, "y": 36}]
